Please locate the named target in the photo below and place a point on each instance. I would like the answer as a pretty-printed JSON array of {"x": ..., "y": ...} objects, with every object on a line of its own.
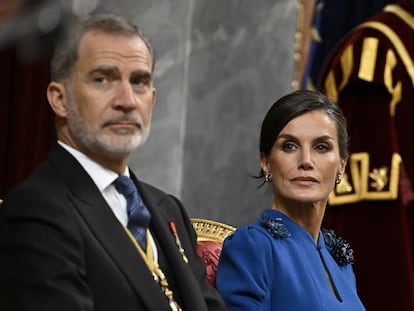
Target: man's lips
[{"x": 123, "y": 124}]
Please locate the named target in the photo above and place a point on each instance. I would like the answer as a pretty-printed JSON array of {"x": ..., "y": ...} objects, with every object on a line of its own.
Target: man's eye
[
  {"x": 100, "y": 79},
  {"x": 138, "y": 82}
]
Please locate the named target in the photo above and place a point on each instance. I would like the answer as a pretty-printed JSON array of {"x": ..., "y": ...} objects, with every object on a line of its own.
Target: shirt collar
[{"x": 101, "y": 176}]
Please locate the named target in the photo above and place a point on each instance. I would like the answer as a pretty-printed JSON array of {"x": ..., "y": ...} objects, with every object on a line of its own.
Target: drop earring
[
  {"x": 338, "y": 179},
  {"x": 268, "y": 177}
]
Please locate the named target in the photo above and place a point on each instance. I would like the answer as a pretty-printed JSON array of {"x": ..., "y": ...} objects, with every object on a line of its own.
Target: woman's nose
[{"x": 305, "y": 161}]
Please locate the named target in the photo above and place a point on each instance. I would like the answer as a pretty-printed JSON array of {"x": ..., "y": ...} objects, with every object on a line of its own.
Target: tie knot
[{"x": 125, "y": 185}]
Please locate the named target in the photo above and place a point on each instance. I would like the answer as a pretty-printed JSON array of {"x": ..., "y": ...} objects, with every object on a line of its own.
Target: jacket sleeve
[
  {"x": 40, "y": 261},
  {"x": 245, "y": 271}
]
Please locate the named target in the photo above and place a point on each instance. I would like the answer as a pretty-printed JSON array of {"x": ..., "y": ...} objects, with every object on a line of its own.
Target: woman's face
[{"x": 304, "y": 161}]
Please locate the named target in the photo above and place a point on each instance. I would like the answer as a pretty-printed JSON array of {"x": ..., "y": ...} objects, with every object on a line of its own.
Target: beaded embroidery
[{"x": 339, "y": 248}]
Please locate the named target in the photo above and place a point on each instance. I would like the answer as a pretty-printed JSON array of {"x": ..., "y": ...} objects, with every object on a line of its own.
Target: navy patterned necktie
[{"x": 138, "y": 215}]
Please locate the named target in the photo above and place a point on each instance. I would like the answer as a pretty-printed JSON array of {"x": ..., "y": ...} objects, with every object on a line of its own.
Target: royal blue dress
[{"x": 275, "y": 265}]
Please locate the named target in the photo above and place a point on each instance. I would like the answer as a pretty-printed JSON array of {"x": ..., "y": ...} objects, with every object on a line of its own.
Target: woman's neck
[{"x": 308, "y": 216}]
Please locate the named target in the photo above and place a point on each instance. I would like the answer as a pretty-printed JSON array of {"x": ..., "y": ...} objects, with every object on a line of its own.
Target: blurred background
[{"x": 220, "y": 65}]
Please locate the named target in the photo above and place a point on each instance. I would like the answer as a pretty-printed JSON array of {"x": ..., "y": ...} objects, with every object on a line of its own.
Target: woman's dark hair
[{"x": 295, "y": 104}]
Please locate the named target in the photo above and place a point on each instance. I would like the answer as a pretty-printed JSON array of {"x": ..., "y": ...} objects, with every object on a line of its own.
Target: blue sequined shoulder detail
[
  {"x": 275, "y": 226},
  {"x": 339, "y": 248}
]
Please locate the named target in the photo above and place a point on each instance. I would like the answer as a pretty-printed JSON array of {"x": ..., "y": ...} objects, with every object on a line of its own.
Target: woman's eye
[
  {"x": 322, "y": 147},
  {"x": 288, "y": 146}
]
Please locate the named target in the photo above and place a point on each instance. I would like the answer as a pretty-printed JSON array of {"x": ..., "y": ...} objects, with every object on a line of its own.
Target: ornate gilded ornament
[{"x": 366, "y": 183}]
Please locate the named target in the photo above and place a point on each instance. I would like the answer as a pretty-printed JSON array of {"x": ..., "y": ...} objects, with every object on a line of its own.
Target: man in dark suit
[{"x": 65, "y": 242}]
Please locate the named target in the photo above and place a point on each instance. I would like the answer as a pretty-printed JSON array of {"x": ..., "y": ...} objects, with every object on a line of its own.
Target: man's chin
[
  {"x": 118, "y": 151},
  {"x": 122, "y": 146}
]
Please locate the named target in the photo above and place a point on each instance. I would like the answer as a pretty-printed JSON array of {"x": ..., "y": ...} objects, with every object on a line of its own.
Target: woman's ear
[
  {"x": 342, "y": 166},
  {"x": 56, "y": 95},
  {"x": 264, "y": 162}
]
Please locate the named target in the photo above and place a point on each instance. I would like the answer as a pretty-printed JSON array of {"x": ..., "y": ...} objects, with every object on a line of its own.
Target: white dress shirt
[{"x": 103, "y": 179}]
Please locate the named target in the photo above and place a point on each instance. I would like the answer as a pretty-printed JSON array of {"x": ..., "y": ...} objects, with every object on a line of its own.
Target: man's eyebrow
[
  {"x": 107, "y": 69},
  {"x": 142, "y": 73}
]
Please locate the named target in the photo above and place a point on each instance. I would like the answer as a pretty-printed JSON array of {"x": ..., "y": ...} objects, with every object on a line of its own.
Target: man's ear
[
  {"x": 56, "y": 95},
  {"x": 154, "y": 97}
]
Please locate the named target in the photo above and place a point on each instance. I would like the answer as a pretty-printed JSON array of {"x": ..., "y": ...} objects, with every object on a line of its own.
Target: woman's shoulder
[
  {"x": 267, "y": 229},
  {"x": 339, "y": 248},
  {"x": 248, "y": 234}
]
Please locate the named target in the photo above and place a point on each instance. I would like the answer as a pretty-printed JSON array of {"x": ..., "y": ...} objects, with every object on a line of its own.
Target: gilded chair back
[{"x": 210, "y": 237}]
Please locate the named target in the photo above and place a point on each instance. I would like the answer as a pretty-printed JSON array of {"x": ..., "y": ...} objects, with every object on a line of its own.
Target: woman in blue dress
[{"x": 285, "y": 260}]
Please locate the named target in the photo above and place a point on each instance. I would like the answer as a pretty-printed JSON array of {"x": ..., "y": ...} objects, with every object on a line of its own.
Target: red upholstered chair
[{"x": 210, "y": 238}]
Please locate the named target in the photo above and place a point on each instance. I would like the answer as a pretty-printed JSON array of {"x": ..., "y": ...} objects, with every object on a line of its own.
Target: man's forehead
[{"x": 102, "y": 46}]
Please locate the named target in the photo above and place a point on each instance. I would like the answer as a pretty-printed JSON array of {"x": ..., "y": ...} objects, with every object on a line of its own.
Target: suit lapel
[
  {"x": 107, "y": 230},
  {"x": 181, "y": 272}
]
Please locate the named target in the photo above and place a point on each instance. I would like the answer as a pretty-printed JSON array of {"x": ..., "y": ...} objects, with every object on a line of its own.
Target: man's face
[{"x": 110, "y": 96}]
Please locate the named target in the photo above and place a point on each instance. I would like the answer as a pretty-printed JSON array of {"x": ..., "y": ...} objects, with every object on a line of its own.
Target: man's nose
[{"x": 125, "y": 97}]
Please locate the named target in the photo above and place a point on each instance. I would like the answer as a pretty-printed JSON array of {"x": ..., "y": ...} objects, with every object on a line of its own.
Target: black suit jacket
[{"x": 62, "y": 248}]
